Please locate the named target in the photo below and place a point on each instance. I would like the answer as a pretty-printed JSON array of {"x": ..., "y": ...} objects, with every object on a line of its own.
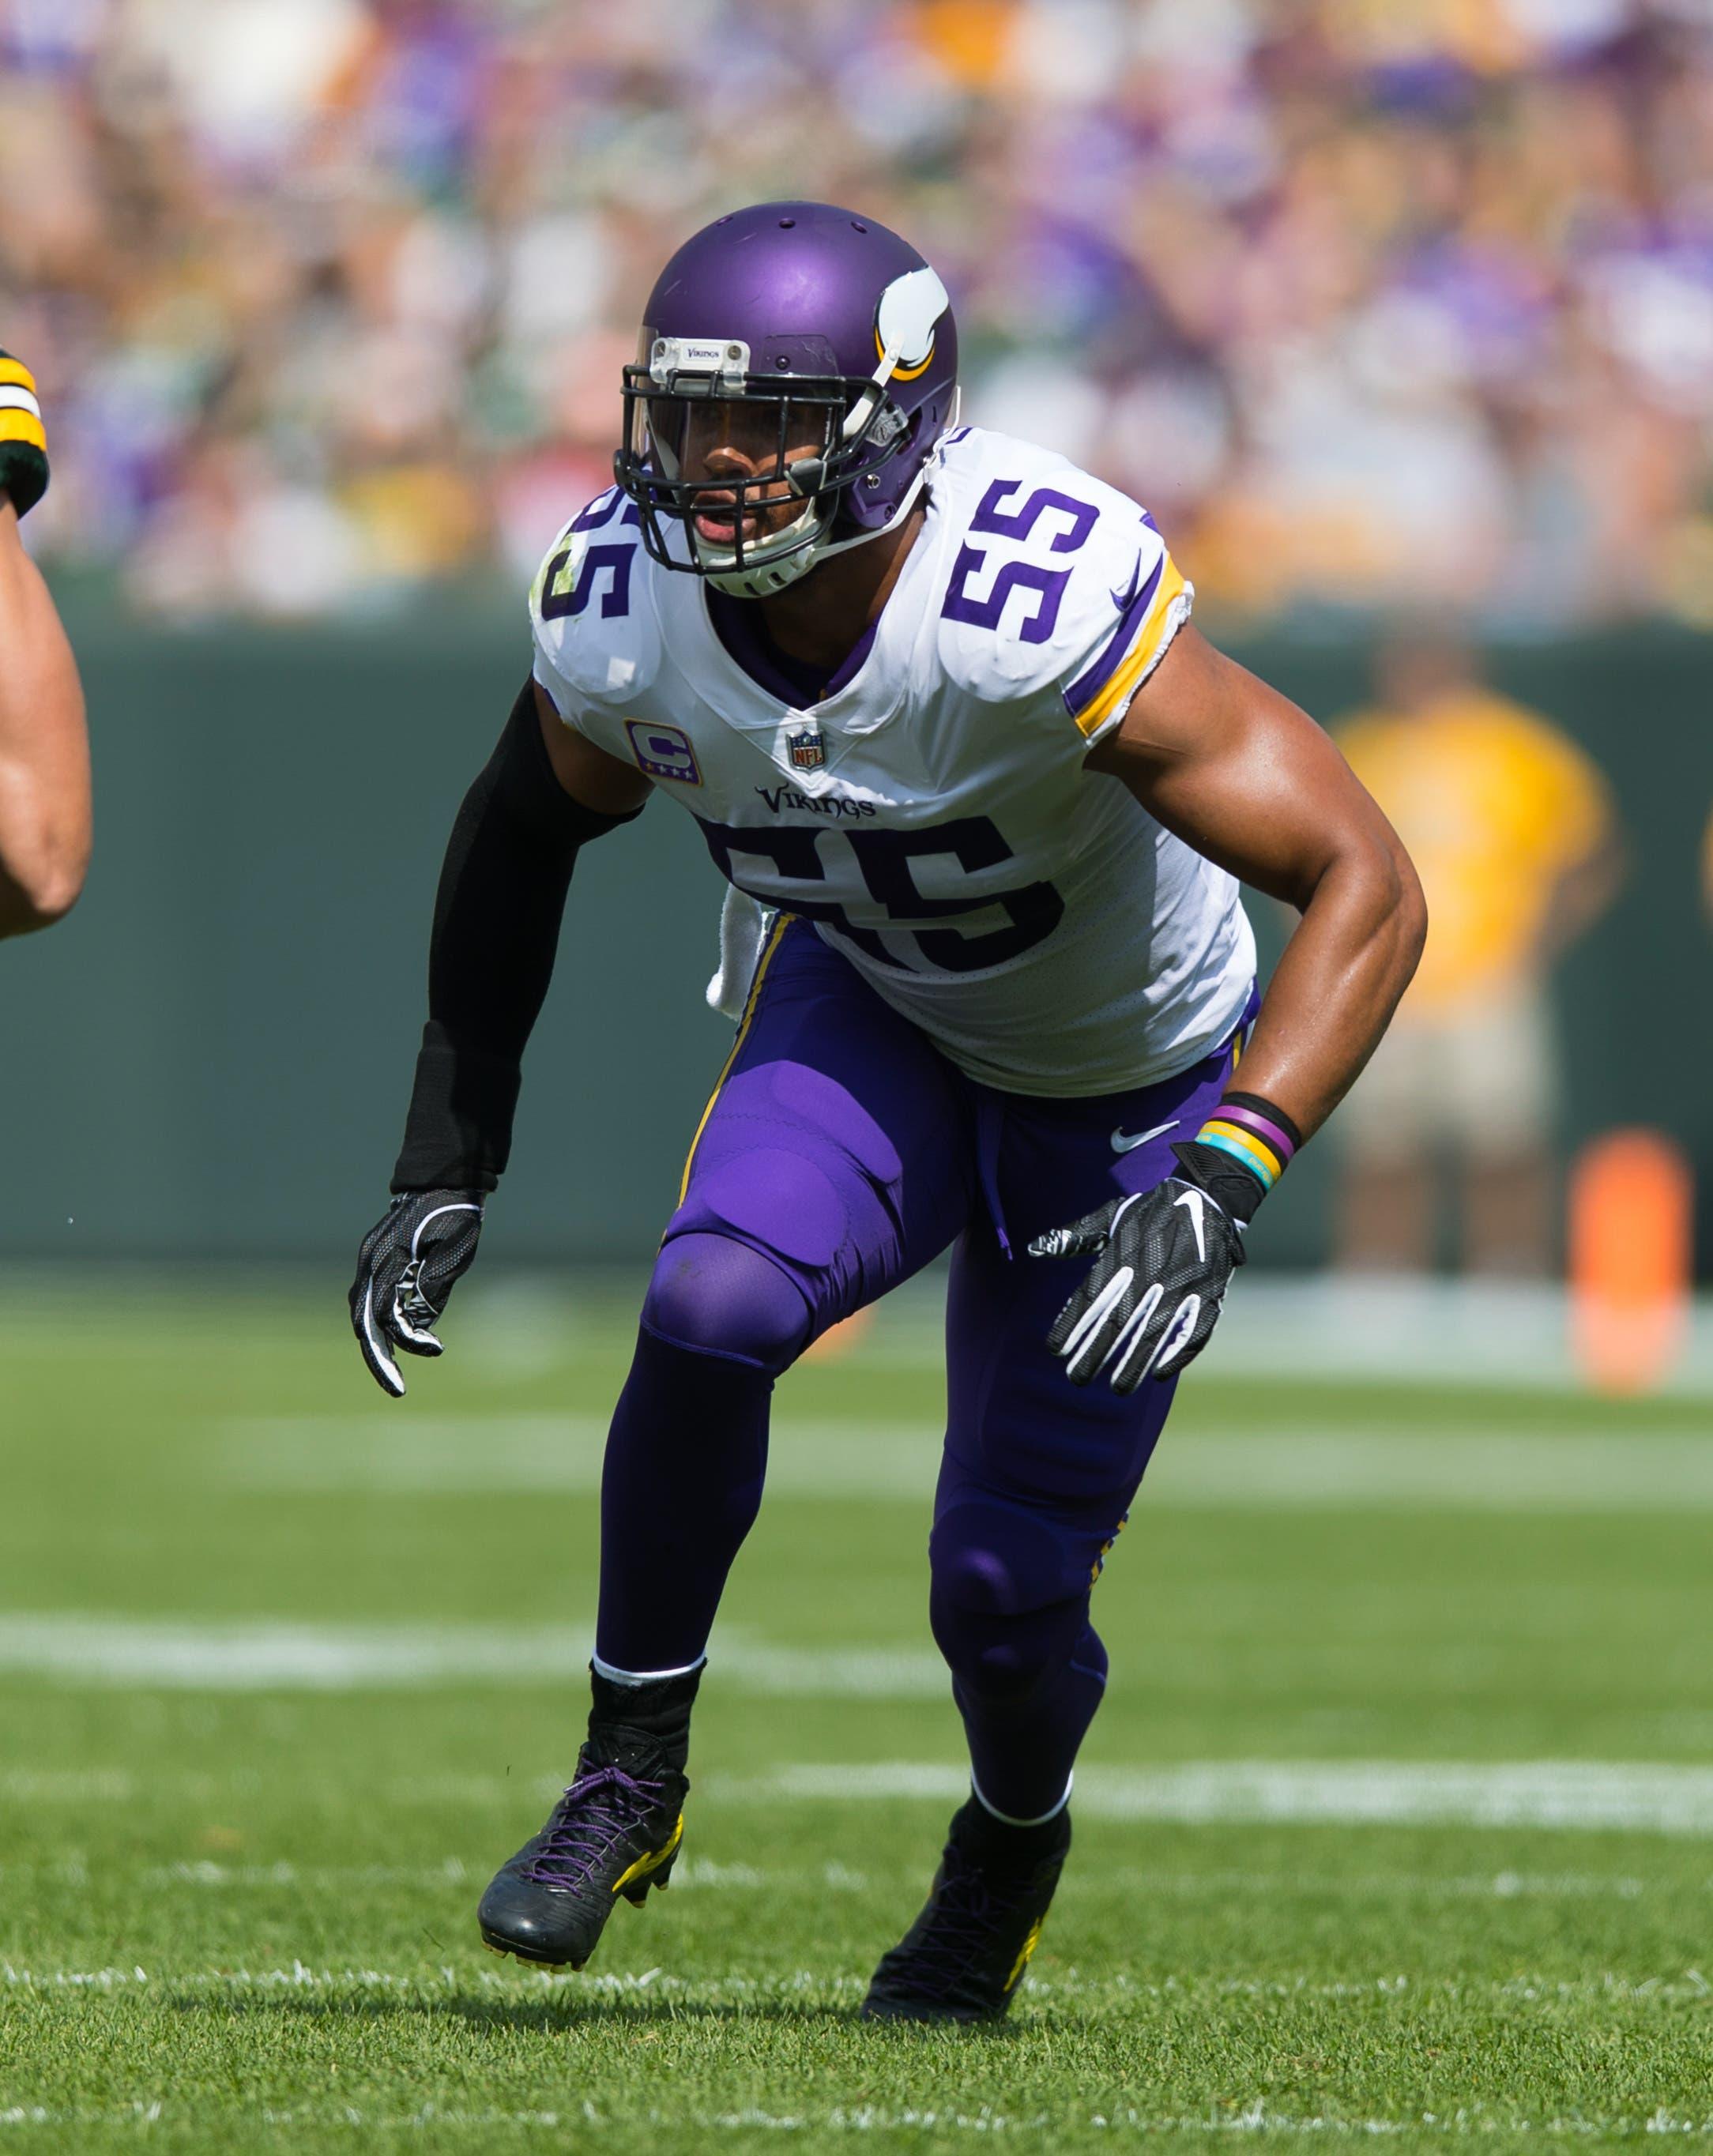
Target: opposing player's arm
[
  {"x": 542, "y": 795},
  {"x": 44, "y": 756},
  {"x": 1242, "y": 775}
]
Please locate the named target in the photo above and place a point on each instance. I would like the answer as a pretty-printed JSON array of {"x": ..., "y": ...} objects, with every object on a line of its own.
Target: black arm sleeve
[{"x": 497, "y": 913}]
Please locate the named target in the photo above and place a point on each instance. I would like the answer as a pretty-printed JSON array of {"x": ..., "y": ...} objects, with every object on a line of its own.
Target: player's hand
[
  {"x": 409, "y": 1264},
  {"x": 1162, "y": 1262},
  {"x": 23, "y": 445}
]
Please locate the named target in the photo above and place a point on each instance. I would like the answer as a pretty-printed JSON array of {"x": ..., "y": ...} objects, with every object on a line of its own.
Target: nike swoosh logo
[
  {"x": 1196, "y": 1202},
  {"x": 1120, "y": 1143},
  {"x": 1121, "y": 598}
]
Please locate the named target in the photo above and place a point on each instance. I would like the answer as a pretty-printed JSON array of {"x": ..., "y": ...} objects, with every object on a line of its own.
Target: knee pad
[
  {"x": 1009, "y": 1604},
  {"x": 719, "y": 1296}
]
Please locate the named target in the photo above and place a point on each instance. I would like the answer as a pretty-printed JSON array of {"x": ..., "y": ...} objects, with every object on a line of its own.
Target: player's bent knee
[
  {"x": 1008, "y": 1661},
  {"x": 999, "y": 1560},
  {"x": 719, "y": 1296},
  {"x": 1009, "y": 1604}
]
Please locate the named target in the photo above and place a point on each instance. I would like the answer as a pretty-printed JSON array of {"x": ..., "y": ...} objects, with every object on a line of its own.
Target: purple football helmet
[{"x": 819, "y": 350}]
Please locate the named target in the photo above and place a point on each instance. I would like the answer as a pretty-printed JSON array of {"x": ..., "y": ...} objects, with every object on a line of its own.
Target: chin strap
[{"x": 789, "y": 553}]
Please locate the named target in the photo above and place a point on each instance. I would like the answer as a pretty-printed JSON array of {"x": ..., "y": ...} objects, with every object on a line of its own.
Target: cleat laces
[
  {"x": 599, "y": 1809},
  {"x": 968, "y": 1912}
]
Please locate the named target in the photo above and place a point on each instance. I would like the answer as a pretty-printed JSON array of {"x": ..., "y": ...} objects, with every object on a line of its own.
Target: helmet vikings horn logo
[{"x": 808, "y": 750}]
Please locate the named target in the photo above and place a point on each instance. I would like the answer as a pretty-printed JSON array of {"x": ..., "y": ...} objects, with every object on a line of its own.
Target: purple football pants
[{"x": 842, "y": 1153}]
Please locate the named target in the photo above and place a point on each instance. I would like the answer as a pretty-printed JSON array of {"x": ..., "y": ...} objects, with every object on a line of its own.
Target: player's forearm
[
  {"x": 44, "y": 763},
  {"x": 1249, "y": 780},
  {"x": 497, "y": 914},
  {"x": 1338, "y": 982}
]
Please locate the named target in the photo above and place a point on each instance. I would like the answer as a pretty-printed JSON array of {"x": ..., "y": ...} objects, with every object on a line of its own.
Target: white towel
[{"x": 745, "y": 924}]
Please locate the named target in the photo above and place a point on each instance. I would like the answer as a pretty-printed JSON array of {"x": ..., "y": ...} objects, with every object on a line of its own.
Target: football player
[
  {"x": 44, "y": 756},
  {"x": 983, "y": 799}
]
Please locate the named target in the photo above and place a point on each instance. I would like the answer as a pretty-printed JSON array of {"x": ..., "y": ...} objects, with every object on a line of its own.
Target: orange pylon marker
[{"x": 1632, "y": 1197}]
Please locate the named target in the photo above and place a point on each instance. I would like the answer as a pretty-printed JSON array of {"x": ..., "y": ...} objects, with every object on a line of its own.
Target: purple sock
[
  {"x": 1023, "y": 1745},
  {"x": 687, "y": 1454}
]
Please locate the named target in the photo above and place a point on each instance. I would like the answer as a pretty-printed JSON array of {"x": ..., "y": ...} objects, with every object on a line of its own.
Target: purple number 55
[{"x": 987, "y": 610}]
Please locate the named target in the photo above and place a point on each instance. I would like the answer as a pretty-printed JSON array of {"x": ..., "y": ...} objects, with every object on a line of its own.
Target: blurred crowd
[{"x": 1376, "y": 303}]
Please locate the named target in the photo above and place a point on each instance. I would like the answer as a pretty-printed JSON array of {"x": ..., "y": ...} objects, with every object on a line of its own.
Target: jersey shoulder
[
  {"x": 592, "y": 611},
  {"x": 1058, "y": 590}
]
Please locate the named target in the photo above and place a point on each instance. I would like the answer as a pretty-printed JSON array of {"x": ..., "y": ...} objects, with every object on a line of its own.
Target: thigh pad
[{"x": 792, "y": 1164}]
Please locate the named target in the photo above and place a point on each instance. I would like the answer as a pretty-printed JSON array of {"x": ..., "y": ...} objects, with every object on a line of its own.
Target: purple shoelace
[{"x": 580, "y": 1832}]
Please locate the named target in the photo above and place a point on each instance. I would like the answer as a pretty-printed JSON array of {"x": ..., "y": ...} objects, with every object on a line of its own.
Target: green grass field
[{"x": 1397, "y": 1820}]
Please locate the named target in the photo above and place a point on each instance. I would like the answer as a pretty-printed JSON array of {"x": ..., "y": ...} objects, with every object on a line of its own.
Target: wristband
[
  {"x": 1253, "y": 1130},
  {"x": 23, "y": 445}
]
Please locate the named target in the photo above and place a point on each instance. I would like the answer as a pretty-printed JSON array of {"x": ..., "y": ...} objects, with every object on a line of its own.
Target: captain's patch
[{"x": 662, "y": 752}]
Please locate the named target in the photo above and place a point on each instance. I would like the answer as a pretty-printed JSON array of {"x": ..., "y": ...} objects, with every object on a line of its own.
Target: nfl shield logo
[{"x": 808, "y": 750}]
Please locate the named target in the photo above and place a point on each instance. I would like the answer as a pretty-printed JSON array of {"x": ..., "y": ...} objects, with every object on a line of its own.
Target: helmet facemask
[{"x": 791, "y": 439}]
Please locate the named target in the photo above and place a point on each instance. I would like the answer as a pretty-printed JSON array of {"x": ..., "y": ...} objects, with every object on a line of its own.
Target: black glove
[
  {"x": 1163, "y": 1260},
  {"x": 407, "y": 1267},
  {"x": 24, "y": 446}
]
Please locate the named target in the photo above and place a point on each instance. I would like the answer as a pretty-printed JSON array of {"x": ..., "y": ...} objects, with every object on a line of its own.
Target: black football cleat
[
  {"x": 615, "y": 1832},
  {"x": 964, "y": 1955}
]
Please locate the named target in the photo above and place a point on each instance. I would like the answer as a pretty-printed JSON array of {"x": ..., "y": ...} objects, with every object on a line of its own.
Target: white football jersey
[{"x": 932, "y": 816}]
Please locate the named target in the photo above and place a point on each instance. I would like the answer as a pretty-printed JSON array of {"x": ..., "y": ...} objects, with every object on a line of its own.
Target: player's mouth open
[{"x": 720, "y": 522}]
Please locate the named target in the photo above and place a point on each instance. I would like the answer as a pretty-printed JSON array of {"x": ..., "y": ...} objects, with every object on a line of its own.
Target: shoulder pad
[
  {"x": 1058, "y": 587},
  {"x": 591, "y": 607}
]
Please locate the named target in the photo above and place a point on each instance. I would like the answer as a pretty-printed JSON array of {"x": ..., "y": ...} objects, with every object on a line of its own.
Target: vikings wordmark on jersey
[{"x": 936, "y": 823}]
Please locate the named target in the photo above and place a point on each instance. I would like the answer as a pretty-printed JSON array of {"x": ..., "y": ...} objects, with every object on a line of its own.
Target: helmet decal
[{"x": 905, "y": 319}]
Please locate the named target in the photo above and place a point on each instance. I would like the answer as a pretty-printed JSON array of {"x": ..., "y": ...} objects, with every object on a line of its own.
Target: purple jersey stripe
[
  {"x": 1231, "y": 1112},
  {"x": 1083, "y": 690}
]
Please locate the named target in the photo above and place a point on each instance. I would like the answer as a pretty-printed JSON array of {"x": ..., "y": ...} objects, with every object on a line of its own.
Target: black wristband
[
  {"x": 1268, "y": 1109},
  {"x": 1227, "y": 1182},
  {"x": 23, "y": 475}
]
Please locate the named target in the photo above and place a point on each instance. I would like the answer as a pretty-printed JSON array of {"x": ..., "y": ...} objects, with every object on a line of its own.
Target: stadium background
[
  {"x": 1386, "y": 311},
  {"x": 1397, "y": 1818}
]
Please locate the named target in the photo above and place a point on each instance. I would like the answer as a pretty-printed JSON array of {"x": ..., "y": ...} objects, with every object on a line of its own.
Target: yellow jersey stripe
[
  {"x": 772, "y": 944},
  {"x": 1144, "y": 654},
  {"x": 15, "y": 375}
]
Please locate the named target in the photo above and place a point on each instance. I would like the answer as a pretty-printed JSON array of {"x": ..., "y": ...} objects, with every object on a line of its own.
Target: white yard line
[
  {"x": 362, "y": 2121},
  {"x": 1282, "y": 1465},
  {"x": 1688, "y": 1987},
  {"x": 76, "y": 1785},
  {"x": 452, "y": 1874},
  {"x": 1660, "y": 1797},
  {"x": 216, "y": 1654}
]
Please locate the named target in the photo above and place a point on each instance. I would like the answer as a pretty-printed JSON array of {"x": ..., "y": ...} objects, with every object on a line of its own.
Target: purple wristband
[{"x": 1281, "y": 1141}]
